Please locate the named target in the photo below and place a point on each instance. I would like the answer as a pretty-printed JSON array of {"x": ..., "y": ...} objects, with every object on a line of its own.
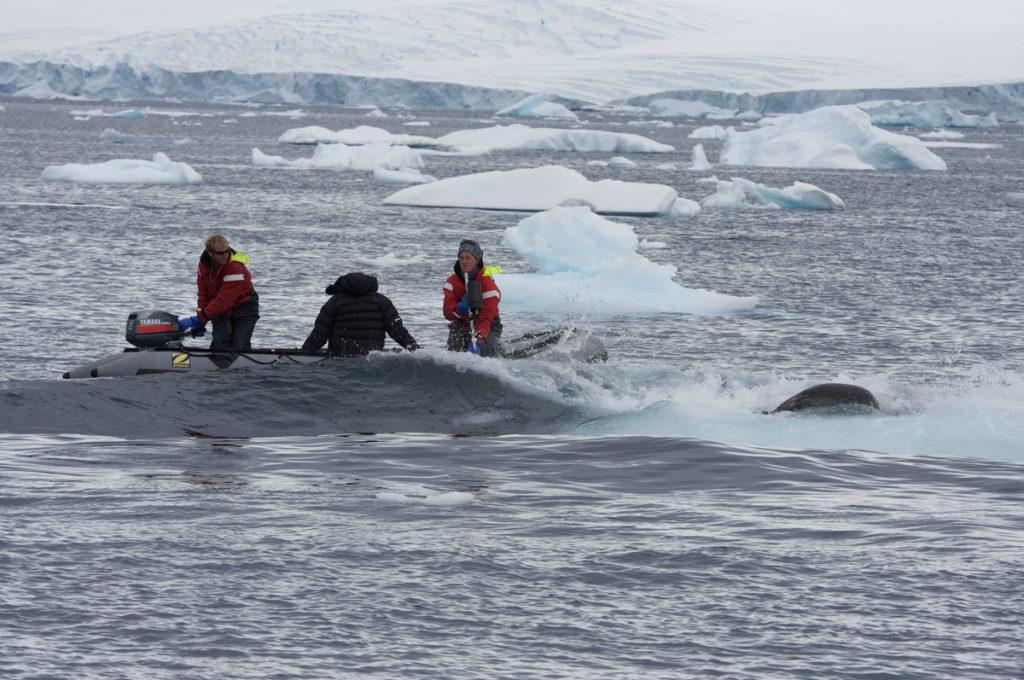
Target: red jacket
[
  {"x": 455, "y": 290},
  {"x": 221, "y": 290}
]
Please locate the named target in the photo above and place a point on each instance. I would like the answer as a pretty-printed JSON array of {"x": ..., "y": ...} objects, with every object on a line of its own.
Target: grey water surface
[{"x": 431, "y": 515}]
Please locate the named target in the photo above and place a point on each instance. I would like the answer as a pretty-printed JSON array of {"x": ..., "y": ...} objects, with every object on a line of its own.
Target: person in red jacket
[
  {"x": 226, "y": 297},
  {"x": 476, "y": 331}
]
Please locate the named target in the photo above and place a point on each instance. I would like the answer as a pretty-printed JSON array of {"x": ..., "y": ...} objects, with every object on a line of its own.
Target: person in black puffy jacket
[{"x": 354, "y": 320}]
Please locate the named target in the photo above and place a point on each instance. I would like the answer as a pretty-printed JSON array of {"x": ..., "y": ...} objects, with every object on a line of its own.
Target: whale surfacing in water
[{"x": 828, "y": 395}]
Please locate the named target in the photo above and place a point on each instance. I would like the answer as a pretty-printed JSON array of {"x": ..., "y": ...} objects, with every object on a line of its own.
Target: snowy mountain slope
[{"x": 591, "y": 50}]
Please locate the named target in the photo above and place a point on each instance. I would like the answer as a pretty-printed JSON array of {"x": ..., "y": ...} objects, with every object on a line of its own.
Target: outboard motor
[{"x": 150, "y": 328}]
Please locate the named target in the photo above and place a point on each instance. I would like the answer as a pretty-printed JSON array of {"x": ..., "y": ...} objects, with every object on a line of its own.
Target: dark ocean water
[{"x": 432, "y": 515}]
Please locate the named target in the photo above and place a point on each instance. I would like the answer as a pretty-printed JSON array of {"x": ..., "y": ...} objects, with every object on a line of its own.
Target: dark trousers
[
  {"x": 233, "y": 333},
  {"x": 458, "y": 337}
]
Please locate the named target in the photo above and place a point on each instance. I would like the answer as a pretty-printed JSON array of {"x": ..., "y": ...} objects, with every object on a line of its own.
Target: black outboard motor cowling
[{"x": 150, "y": 328}]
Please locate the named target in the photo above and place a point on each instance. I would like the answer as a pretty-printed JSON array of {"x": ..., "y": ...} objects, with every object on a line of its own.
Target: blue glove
[
  {"x": 474, "y": 347},
  {"x": 189, "y": 323},
  {"x": 463, "y": 307}
]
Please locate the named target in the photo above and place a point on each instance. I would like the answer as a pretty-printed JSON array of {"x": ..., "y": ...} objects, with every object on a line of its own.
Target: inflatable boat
[{"x": 156, "y": 340}]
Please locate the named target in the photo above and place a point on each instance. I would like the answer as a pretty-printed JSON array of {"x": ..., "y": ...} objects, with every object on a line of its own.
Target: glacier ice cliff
[{"x": 44, "y": 79}]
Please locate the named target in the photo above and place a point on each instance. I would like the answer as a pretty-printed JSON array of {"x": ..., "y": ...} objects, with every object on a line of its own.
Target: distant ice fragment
[
  {"x": 1015, "y": 198},
  {"x": 689, "y": 109},
  {"x": 345, "y": 157},
  {"x": 363, "y": 134},
  {"x": 742, "y": 194},
  {"x": 112, "y": 136},
  {"x": 684, "y": 207},
  {"x": 417, "y": 123},
  {"x": 161, "y": 170},
  {"x": 942, "y": 134},
  {"x": 700, "y": 160},
  {"x": 389, "y": 260},
  {"x": 620, "y": 162},
  {"x": 588, "y": 264},
  {"x": 749, "y": 115},
  {"x": 839, "y": 137},
  {"x": 711, "y": 132},
  {"x": 376, "y": 113},
  {"x": 519, "y": 136},
  {"x": 401, "y": 176},
  {"x": 537, "y": 106},
  {"x": 533, "y": 189}
]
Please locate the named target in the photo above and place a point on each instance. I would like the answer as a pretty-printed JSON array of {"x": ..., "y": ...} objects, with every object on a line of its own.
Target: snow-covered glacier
[{"x": 575, "y": 49}]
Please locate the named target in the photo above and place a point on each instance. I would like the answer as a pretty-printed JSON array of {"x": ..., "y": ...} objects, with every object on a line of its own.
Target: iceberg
[
  {"x": 345, "y": 157},
  {"x": 684, "y": 207},
  {"x": 742, "y": 194},
  {"x": 689, "y": 108},
  {"x": 711, "y": 132},
  {"x": 537, "y": 106},
  {"x": 376, "y": 113},
  {"x": 363, "y": 134},
  {"x": 112, "y": 136},
  {"x": 1014, "y": 198},
  {"x": 933, "y": 113},
  {"x": 621, "y": 162},
  {"x": 840, "y": 137},
  {"x": 700, "y": 160},
  {"x": 161, "y": 170},
  {"x": 534, "y": 189},
  {"x": 518, "y": 136},
  {"x": 586, "y": 263},
  {"x": 401, "y": 176}
]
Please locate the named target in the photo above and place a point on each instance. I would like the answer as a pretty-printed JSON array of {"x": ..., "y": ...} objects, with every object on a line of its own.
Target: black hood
[{"x": 353, "y": 283}]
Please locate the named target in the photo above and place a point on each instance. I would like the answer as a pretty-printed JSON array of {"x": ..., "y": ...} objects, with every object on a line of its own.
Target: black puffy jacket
[{"x": 356, "y": 318}]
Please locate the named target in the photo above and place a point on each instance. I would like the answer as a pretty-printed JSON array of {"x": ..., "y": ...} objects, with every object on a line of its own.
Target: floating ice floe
[
  {"x": 742, "y": 194},
  {"x": 533, "y": 189},
  {"x": 112, "y": 136},
  {"x": 588, "y": 264},
  {"x": 839, "y": 137},
  {"x": 1015, "y": 198},
  {"x": 417, "y": 123},
  {"x": 684, "y": 207},
  {"x": 961, "y": 145},
  {"x": 376, "y": 113},
  {"x": 363, "y": 134},
  {"x": 537, "y": 106},
  {"x": 620, "y": 162},
  {"x": 161, "y": 170},
  {"x": 700, "y": 160},
  {"x": 653, "y": 245},
  {"x": 401, "y": 176},
  {"x": 749, "y": 116},
  {"x": 689, "y": 109},
  {"x": 424, "y": 496},
  {"x": 711, "y": 132},
  {"x": 933, "y": 113},
  {"x": 100, "y": 113},
  {"x": 520, "y": 136},
  {"x": 942, "y": 134},
  {"x": 389, "y": 260},
  {"x": 345, "y": 157}
]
